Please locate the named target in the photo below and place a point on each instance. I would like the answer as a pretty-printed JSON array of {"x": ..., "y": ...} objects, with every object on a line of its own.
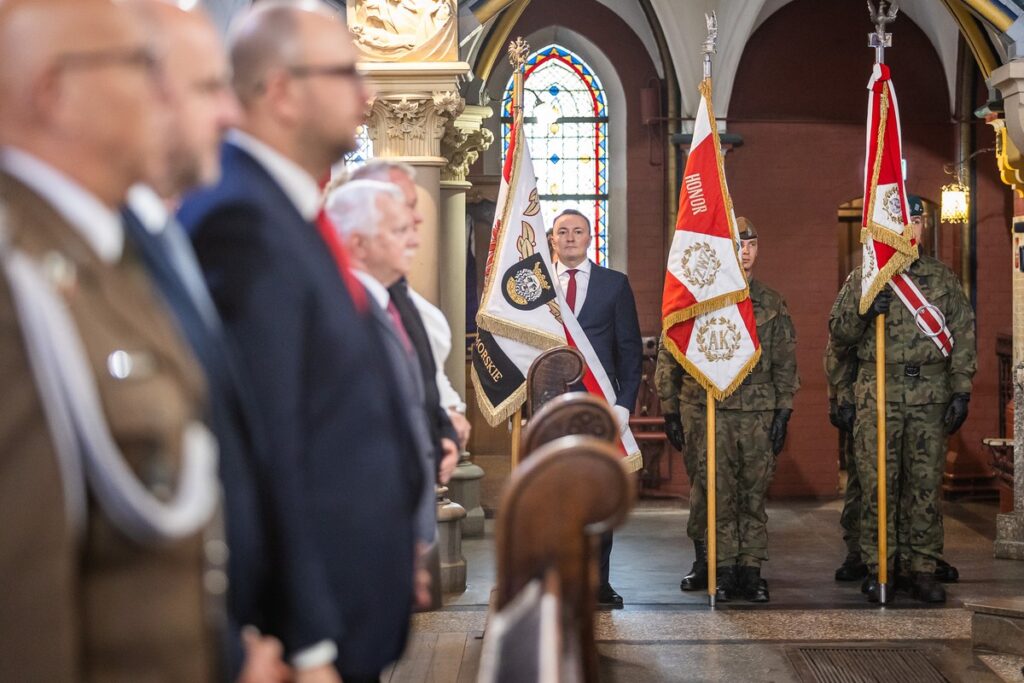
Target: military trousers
[
  {"x": 915, "y": 456},
  {"x": 745, "y": 466},
  {"x": 693, "y": 419},
  {"x": 850, "y": 517}
]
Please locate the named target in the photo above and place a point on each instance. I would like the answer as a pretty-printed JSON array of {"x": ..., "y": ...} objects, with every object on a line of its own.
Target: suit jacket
[
  {"x": 412, "y": 392},
  {"x": 100, "y": 607},
  {"x": 252, "y": 517},
  {"x": 609, "y": 319},
  {"x": 437, "y": 416},
  {"x": 342, "y": 456}
]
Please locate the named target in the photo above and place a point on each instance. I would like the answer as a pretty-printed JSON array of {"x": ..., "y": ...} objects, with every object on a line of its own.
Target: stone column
[{"x": 463, "y": 140}]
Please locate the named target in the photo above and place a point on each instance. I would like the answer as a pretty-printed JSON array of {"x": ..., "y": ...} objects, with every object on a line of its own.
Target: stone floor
[{"x": 666, "y": 635}]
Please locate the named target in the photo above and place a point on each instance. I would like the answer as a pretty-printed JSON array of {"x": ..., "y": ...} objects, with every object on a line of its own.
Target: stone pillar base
[
  {"x": 1009, "y": 543},
  {"x": 449, "y": 543},
  {"x": 464, "y": 489}
]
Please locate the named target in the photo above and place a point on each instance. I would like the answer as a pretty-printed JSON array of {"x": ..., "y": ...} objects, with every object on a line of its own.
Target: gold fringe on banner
[
  {"x": 701, "y": 378},
  {"x": 495, "y": 415}
]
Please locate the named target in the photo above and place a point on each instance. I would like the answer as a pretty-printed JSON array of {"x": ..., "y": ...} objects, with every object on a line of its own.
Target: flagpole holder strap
[{"x": 940, "y": 318}]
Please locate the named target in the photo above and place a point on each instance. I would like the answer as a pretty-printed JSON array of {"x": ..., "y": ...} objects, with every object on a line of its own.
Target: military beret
[
  {"x": 746, "y": 229},
  {"x": 915, "y": 207}
]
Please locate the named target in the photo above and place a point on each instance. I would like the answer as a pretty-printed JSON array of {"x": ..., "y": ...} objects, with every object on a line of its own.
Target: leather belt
[
  {"x": 908, "y": 369},
  {"x": 758, "y": 378}
]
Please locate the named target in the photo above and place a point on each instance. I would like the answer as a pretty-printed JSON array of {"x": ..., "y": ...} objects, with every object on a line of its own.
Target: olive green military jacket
[
  {"x": 916, "y": 371},
  {"x": 771, "y": 384}
]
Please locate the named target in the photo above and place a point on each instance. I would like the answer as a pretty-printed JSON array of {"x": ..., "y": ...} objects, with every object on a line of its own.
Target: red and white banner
[
  {"x": 707, "y": 315},
  {"x": 523, "y": 310},
  {"x": 888, "y": 241}
]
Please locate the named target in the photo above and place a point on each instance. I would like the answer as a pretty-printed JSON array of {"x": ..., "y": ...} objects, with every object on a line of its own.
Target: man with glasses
[
  {"x": 341, "y": 449},
  {"x": 107, "y": 476}
]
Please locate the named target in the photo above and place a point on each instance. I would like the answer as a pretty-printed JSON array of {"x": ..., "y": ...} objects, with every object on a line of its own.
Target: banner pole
[
  {"x": 712, "y": 480},
  {"x": 517, "y": 431},
  {"x": 883, "y": 508}
]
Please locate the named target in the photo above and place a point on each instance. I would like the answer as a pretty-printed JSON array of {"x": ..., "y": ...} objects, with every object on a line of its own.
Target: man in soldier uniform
[
  {"x": 750, "y": 432},
  {"x": 928, "y": 385},
  {"x": 840, "y": 369}
]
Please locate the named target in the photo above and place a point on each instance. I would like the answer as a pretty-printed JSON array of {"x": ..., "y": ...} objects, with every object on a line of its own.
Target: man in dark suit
[
  {"x": 199, "y": 107},
  {"x": 604, "y": 306},
  {"x": 341, "y": 451}
]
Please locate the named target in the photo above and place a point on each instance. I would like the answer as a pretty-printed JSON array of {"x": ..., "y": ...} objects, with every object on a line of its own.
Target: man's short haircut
[
  {"x": 571, "y": 212},
  {"x": 265, "y": 37},
  {"x": 353, "y": 208}
]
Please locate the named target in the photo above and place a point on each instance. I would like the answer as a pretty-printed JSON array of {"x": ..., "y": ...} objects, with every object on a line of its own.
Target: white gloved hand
[{"x": 621, "y": 417}]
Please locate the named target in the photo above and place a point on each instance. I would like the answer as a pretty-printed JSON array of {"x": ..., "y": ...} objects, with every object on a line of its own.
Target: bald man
[
  {"x": 342, "y": 448},
  {"x": 107, "y": 476},
  {"x": 199, "y": 108}
]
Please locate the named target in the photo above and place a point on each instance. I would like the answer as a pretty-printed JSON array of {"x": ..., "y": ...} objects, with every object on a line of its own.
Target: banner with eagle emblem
[
  {"x": 523, "y": 311},
  {"x": 707, "y": 316}
]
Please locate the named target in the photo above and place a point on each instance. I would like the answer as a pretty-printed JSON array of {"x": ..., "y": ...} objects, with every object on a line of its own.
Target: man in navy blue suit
[
  {"x": 342, "y": 452},
  {"x": 198, "y": 107},
  {"x": 604, "y": 306}
]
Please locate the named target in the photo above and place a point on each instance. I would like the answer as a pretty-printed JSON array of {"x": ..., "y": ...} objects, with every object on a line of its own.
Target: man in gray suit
[{"x": 378, "y": 229}]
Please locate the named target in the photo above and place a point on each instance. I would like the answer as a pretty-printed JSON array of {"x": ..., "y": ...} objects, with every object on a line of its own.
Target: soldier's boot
[
  {"x": 752, "y": 586},
  {"x": 945, "y": 572},
  {"x": 727, "y": 588},
  {"x": 697, "y": 579},
  {"x": 903, "y": 580},
  {"x": 926, "y": 589},
  {"x": 853, "y": 568},
  {"x": 874, "y": 591}
]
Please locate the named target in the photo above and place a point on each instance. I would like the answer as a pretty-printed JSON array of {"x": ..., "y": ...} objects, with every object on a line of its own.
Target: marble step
[{"x": 997, "y": 625}]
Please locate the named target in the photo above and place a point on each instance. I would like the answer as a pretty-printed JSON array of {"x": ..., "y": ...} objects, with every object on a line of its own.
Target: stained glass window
[
  {"x": 364, "y": 148},
  {"x": 566, "y": 125}
]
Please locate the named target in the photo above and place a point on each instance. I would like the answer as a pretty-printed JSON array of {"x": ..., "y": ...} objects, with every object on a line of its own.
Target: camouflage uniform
[
  {"x": 840, "y": 372},
  {"x": 919, "y": 385},
  {"x": 668, "y": 379},
  {"x": 743, "y": 450}
]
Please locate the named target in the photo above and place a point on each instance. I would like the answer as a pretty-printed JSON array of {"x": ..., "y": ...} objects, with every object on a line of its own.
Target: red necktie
[
  {"x": 340, "y": 254},
  {"x": 570, "y": 291},
  {"x": 396, "y": 318}
]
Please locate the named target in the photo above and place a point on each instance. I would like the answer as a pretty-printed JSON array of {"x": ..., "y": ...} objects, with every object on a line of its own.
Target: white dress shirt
[
  {"x": 439, "y": 334},
  {"x": 297, "y": 184},
  {"x": 99, "y": 225},
  {"x": 378, "y": 292},
  {"x": 582, "y": 280}
]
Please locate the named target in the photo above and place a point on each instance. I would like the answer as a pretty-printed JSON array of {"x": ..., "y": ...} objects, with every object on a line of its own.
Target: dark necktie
[
  {"x": 570, "y": 291},
  {"x": 340, "y": 254}
]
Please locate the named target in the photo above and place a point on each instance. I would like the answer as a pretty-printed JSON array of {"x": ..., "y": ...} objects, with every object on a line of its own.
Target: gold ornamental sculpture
[{"x": 405, "y": 30}]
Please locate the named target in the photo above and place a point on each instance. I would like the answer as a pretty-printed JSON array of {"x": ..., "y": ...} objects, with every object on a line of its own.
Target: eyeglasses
[
  {"x": 139, "y": 57},
  {"x": 326, "y": 70}
]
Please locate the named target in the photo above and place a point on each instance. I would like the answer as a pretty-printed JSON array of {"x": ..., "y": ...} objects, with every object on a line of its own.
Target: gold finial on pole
[{"x": 518, "y": 51}]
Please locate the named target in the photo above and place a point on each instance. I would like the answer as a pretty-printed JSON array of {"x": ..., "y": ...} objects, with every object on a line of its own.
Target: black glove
[
  {"x": 777, "y": 433},
  {"x": 847, "y": 415},
  {"x": 956, "y": 412},
  {"x": 879, "y": 306},
  {"x": 674, "y": 430},
  {"x": 833, "y": 413}
]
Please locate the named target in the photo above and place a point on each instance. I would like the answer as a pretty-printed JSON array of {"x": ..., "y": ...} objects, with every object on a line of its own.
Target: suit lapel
[{"x": 593, "y": 293}]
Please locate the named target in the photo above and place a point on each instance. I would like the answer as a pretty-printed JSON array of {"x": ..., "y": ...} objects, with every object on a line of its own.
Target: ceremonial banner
[
  {"x": 523, "y": 311},
  {"x": 707, "y": 315},
  {"x": 888, "y": 242}
]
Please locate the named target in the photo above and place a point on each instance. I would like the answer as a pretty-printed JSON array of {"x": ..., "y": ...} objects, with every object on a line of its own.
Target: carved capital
[
  {"x": 464, "y": 138},
  {"x": 411, "y": 124}
]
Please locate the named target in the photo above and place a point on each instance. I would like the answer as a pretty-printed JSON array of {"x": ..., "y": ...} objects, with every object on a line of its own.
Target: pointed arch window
[
  {"x": 566, "y": 123},
  {"x": 364, "y": 148}
]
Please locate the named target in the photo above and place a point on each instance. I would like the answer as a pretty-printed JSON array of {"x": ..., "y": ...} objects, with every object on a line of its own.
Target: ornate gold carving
[
  {"x": 701, "y": 264},
  {"x": 405, "y": 30},
  {"x": 718, "y": 339},
  {"x": 406, "y": 118}
]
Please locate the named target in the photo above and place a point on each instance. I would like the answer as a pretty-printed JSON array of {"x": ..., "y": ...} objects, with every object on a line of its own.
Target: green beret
[{"x": 915, "y": 207}]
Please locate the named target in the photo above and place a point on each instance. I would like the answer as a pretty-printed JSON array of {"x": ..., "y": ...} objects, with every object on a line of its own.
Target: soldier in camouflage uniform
[
  {"x": 926, "y": 398},
  {"x": 840, "y": 371},
  {"x": 750, "y": 430}
]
